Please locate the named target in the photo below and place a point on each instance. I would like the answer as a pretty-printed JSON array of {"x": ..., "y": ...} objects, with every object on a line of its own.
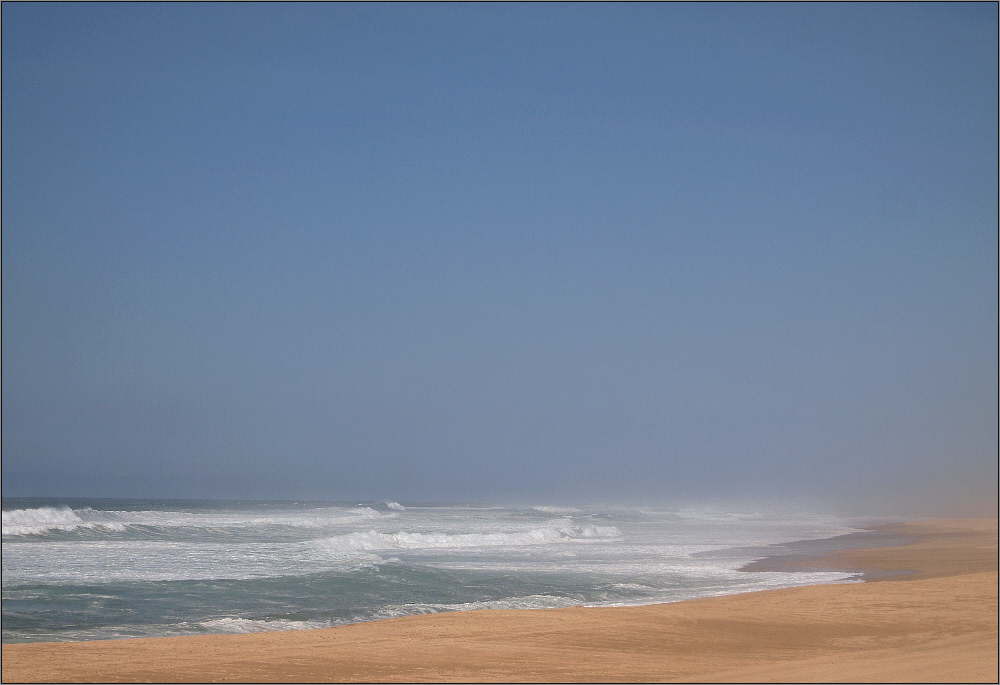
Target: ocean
[{"x": 84, "y": 569}]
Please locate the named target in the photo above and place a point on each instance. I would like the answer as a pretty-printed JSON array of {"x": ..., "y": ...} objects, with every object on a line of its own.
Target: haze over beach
[{"x": 318, "y": 314}]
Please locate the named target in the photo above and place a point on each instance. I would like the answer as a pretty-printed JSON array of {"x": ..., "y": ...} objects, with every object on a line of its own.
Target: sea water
[{"x": 99, "y": 569}]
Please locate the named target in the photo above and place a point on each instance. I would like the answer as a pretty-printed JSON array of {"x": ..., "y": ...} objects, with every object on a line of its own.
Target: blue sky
[{"x": 502, "y": 252}]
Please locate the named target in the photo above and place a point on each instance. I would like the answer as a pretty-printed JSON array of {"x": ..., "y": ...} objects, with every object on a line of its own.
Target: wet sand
[{"x": 927, "y": 612}]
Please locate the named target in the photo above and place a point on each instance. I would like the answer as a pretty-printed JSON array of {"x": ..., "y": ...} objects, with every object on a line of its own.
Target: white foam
[
  {"x": 523, "y": 602},
  {"x": 44, "y": 519},
  {"x": 374, "y": 540},
  {"x": 252, "y": 625},
  {"x": 395, "y": 506}
]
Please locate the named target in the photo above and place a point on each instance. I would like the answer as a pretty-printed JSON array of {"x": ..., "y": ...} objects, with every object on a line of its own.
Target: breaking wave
[
  {"x": 373, "y": 540},
  {"x": 44, "y": 519}
]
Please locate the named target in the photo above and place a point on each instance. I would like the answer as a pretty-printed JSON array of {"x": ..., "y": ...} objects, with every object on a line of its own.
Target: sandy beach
[{"x": 928, "y": 612}]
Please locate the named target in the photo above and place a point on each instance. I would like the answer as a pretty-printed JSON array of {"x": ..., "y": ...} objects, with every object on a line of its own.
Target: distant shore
[{"x": 927, "y": 612}]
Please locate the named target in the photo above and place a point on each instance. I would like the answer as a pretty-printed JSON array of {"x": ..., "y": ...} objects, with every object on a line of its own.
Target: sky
[{"x": 502, "y": 252}]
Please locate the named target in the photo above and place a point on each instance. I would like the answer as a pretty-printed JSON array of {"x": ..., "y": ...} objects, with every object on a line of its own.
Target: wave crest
[
  {"x": 43, "y": 519},
  {"x": 18, "y": 522},
  {"x": 373, "y": 540}
]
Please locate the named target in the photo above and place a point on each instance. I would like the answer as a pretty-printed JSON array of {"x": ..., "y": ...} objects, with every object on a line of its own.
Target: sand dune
[{"x": 937, "y": 624}]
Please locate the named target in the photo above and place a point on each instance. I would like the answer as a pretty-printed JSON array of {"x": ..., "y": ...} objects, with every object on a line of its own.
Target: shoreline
[
  {"x": 937, "y": 622},
  {"x": 772, "y": 557},
  {"x": 821, "y": 554}
]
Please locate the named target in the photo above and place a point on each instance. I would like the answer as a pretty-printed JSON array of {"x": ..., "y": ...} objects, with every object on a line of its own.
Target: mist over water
[{"x": 116, "y": 568}]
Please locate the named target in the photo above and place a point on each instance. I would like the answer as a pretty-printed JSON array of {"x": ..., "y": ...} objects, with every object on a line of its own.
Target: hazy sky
[{"x": 654, "y": 252}]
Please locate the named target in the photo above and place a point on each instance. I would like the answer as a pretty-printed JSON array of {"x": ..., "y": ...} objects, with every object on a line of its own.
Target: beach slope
[{"x": 938, "y": 623}]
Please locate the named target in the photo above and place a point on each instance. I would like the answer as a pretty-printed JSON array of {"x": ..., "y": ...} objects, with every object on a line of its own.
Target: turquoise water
[{"x": 99, "y": 569}]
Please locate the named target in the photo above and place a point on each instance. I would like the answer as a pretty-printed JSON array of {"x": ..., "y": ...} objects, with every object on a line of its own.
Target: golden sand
[{"x": 938, "y": 624}]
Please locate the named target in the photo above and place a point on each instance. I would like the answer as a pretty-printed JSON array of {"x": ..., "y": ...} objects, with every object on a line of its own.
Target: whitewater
[{"x": 101, "y": 569}]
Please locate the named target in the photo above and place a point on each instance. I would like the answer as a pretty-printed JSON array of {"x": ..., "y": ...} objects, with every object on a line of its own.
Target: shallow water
[{"x": 96, "y": 569}]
